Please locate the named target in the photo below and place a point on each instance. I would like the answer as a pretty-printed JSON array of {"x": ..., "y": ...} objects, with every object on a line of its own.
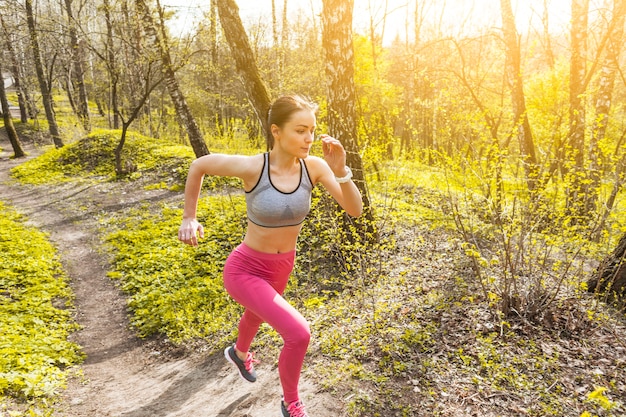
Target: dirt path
[{"x": 123, "y": 375}]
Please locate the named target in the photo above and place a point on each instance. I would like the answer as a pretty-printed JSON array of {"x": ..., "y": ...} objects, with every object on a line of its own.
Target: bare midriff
[{"x": 272, "y": 239}]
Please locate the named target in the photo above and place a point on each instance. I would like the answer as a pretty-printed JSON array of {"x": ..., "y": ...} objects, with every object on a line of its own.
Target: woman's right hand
[{"x": 189, "y": 231}]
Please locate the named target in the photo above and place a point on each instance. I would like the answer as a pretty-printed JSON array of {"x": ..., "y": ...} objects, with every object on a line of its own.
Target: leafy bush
[{"x": 35, "y": 315}]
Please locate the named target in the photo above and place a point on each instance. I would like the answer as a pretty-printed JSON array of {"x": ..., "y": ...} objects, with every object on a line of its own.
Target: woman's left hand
[{"x": 334, "y": 154}]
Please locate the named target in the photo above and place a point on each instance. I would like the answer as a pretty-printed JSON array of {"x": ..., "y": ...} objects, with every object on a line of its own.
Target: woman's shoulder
[
  {"x": 316, "y": 166},
  {"x": 313, "y": 160}
]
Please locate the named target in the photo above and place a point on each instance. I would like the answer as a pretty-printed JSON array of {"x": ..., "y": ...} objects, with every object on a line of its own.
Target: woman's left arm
[{"x": 346, "y": 193}]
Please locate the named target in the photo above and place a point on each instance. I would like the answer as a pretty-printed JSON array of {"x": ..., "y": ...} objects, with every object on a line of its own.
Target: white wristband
[{"x": 347, "y": 177}]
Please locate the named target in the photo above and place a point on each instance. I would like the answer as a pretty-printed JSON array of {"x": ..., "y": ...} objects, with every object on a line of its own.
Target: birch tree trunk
[{"x": 339, "y": 60}]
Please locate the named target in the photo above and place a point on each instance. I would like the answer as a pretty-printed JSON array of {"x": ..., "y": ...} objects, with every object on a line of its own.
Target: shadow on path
[{"x": 173, "y": 398}]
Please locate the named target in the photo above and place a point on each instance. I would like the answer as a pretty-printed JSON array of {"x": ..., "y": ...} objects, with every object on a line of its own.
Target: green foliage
[
  {"x": 175, "y": 289},
  {"x": 522, "y": 246},
  {"x": 35, "y": 313},
  {"x": 93, "y": 158}
]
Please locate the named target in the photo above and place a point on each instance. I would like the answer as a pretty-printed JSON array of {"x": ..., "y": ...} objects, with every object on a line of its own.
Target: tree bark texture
[
  {"x": 244, "y": 59},
  {"x": 159, "y": 37},
  {"x": 16, "y": 72},
  {"x": 339, "y": 69},
  {"x": 610, "y": 278},
  {"x": 43, "y": 83},
  {"x": 18, "y": 151},
  {"x": 78, "y": 75},
  {"x": 342, "y": 118}
]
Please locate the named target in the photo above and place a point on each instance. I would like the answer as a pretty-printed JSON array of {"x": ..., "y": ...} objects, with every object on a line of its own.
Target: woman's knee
[{"x": 300, "y": 335}]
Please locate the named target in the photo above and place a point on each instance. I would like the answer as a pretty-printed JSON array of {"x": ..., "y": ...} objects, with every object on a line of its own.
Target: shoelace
[
  {"x": 250, "y": 361},
  {"x": 296, "y": 409}
]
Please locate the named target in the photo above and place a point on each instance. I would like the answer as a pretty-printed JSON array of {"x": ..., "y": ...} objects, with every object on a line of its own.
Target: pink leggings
[{"x": 257, "y": 280}]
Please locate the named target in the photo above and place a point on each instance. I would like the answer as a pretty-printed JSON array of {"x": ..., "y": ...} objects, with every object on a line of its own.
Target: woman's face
[{"x": 297, "y": 134}]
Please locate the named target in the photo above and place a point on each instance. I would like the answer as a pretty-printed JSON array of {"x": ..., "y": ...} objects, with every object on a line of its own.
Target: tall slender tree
[
  {"x": 514, "y": 75},
  {"x": 78, "y": 73},
  {"x": 18, "y": 150},
  {"x": 46, "y": 92},
  {"x": 110, "y": 59},
  {"x": 15, "y": 70}
]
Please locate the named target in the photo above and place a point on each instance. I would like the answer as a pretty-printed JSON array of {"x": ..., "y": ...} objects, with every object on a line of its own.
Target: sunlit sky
[{"x": 456, "y": 16}]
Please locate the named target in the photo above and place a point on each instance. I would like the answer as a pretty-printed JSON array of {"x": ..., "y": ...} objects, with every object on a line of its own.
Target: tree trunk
[
  {"x": 575, "y": 152},
  {"x": 46, "y": 93},
  {"x": 82, "y": 107},
  {"x": 244, "y": 59},
  {"x": 111, "y": 63},
  {"x": 15, "y": 71},
  {"x": 610, "y": 279},
  {"x": 18, "y": 151},
  {"x": 342, "y": 118},
  {"x": 159, "y": 37},
  {"x": 514, "y": 75}
]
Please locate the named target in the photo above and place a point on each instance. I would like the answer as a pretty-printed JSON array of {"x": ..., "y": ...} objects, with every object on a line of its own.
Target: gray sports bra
[{"x": 269, "y": 207}]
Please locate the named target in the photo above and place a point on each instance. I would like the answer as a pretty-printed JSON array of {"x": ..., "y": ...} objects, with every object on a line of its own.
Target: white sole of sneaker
[{"x": 229, "y": 359}]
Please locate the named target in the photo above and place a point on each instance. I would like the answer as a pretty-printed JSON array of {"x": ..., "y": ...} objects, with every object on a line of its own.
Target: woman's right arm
[{"x": 213, "y": 164}]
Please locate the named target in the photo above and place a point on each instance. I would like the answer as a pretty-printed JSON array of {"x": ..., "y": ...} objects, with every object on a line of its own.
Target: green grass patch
[
  {"x": 175, "y": 289},
  {"x": 35, "y": 314},
  {"x": 93, "y": 158}
]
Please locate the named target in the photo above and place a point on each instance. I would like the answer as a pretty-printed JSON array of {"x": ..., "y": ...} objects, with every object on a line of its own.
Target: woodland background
[{"x": 508, "y": 143}]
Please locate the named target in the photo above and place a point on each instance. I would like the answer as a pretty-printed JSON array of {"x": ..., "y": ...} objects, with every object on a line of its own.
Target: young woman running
[{"x": 277, "y": 188}]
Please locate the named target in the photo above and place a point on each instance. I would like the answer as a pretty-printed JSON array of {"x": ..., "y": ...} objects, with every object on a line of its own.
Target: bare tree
[
  {"x": 15, "y": 69},
  {"x": 604, "y": 99},
  {"x": 109, "y": 57},
  {"x": 18, "y": 150},
  {"x": 78, "y": 73},
  {"x": 157, "y": 31},
  {"x": 44, "y": 85}
]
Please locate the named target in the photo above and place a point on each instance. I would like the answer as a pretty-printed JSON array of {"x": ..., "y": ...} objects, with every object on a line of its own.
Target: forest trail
[{"x": 123, "y": 375}]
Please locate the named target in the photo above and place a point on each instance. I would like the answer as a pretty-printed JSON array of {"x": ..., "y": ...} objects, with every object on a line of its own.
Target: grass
[
  {"x": 36, "y": 356},
  {"x": 401, "y": 327}
]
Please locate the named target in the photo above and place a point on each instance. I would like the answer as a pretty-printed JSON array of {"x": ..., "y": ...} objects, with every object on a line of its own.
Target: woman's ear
[{"x": 275, "y": 131}]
